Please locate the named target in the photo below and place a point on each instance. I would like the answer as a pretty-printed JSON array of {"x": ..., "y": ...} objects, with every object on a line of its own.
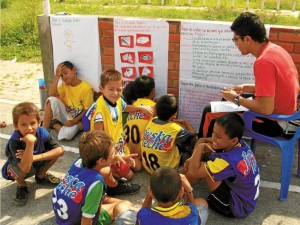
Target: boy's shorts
[
  {"x": 59, "y": 112},
  {"x": 126, "y": 218},
  {"x": 220, "y": 200},
  {"x": 104, "y": 218},
  {"x": 13, "y": 171},
  {"x": 203, "y": 213}
]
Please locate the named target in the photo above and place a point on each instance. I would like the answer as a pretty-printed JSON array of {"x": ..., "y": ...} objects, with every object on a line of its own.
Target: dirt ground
[{"x": 19, "y": 81}]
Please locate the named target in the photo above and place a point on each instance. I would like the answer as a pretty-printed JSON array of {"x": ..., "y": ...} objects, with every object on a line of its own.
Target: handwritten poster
[
  {"x": 76, "y": 39},
  {"x": 209, "y": 57},
  {"x": 193, "y": 95},
  {"x": 141, "y": 48}
]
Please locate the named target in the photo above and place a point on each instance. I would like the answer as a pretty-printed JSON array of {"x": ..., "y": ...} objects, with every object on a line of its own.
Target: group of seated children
[{"x": 152, "y": 138}]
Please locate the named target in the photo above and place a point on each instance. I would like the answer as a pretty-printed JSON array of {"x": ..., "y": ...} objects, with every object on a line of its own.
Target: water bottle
[{"x": 43, "y": 96}]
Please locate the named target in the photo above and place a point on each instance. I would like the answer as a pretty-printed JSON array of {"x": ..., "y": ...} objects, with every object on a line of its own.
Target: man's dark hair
[
  {"x": 233, "y": 125},
  {"x": 165, "y": 183},
  {"x": 166, "y": 107},
  {"x": 249, "y": 24},
  {"x": 143, "y": 86}
]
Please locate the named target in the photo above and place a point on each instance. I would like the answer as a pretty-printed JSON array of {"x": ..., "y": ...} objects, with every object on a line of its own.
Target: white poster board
[
  {"x": 209, "y": 61},
  {"x": 141, "y": 48},
  {"x": 76, "y": 39}
]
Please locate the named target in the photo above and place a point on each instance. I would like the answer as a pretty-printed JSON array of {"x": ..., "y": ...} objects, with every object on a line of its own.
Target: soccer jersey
[
  {"x": 176, "y": 214},
  {"x": 239, "y": 170},
  {"x": 112, "y": 122},
  {"x": 136, "y": 125},
  {"x": 77, "y": 98},
  {"x": 78, "y": 194},
  {"x": 158, "y": 146}
]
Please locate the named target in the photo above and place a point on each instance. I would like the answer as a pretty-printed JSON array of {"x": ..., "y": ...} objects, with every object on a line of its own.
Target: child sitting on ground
[
  {"x": 107, "y": 116},
  {"x": 168, "y": 188},
  {"x": 162, "y": 135},
  {"x": 79, "y": 198},
  {"x": 144, "y": 88},
  {"x": 228, "y": 167},
  {"x": 30, "y": 151},
  {"x": 68, "y": 102}
]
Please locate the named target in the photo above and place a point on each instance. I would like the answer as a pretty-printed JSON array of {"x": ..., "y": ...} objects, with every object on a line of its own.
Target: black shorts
[{"x": 220, "y": 200}]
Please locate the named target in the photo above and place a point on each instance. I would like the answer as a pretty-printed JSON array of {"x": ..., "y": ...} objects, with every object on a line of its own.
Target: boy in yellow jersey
[
  {"x": 144, "y": 89},
  {"x": 107, "y": 116},
  {"x": 67, "y": 103},
  {"x": 175, "y": 201},
  {"x": 163, "y": 134}
]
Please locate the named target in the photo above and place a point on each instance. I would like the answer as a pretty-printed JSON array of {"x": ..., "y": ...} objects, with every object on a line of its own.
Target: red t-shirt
[{"x": 276, "y": 75}]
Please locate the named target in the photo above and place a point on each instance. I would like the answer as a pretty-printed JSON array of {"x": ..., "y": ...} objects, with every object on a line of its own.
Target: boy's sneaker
[
  {"x": 123, "y": 187},
  {"x": 49, "y": 179},
  {"x": 21, "y": 195}
]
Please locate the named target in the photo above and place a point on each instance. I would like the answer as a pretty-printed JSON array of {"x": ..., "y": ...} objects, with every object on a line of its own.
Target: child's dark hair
[
  {"x": 165, "y": 183},
  {"x": 68, "y": 64},
  {"x": 25, "y": 108},
  {"x": 128, "y": 93},
  {"x": 166, "y": 107},
  {"x": 233, "y": 125},
  {"x": 94, "y": 145},
  {"x": 143, "y": 86}
]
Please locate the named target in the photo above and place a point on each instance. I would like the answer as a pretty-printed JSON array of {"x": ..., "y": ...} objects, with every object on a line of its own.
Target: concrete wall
[{"x": 287, "y": 37}]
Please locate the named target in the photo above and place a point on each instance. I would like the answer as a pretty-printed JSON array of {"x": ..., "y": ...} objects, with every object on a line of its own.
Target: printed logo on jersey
[
  {"x": 119, "y": 145},
  {"x": 157, "y": 140},
  {"x": 71, "y": 187},
  {"x": 248, "y": 163},
  {"x": 138, "y": 115}
]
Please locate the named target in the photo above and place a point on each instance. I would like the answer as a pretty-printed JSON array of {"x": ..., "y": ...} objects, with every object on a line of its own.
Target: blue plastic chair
[{"x": 287, "y": 146}]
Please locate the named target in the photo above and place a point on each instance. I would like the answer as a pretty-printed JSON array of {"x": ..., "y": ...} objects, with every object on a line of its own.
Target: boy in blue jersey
[
  {"x": 169, "y": 189},
  {"x": 79, "y": 197},
  {"x": 30, "y": 151},
  {"x": 228, "y": 167}
]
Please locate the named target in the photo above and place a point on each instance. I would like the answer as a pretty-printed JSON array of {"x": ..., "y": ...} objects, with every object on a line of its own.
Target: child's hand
[
  {"x": 19, "y": 154},
  {"x": 58, "y": 71},
  {"x": 185, "y": 184},
  {"x": 28, "y": 139},
  {"x": 129, "y": 159},
  {"x": 147, "y": 110}
]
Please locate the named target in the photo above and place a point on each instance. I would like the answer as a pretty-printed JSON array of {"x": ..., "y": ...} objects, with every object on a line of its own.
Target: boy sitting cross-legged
[
  {"x": 175, "y": 201},
  {"x": 228, "y": 167}
]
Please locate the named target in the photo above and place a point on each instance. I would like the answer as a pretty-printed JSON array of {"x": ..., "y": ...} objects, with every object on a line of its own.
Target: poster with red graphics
[
  {"x": 128, "y": 72},
  {"x": 128, "y": 57},
  {"x": 145, "y": 57},
  {"x": 126, "y": 41},
  {"x": 146, "y": 71},
  {"x": 143, "y": 40}
]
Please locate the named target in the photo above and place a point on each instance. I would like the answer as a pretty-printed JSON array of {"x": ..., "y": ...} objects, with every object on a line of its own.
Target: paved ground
[{"x": 38, "y": 210}]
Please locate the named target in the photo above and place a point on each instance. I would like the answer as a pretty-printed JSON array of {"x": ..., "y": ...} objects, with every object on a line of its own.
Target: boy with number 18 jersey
[{"x": 163, "y": 134}]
